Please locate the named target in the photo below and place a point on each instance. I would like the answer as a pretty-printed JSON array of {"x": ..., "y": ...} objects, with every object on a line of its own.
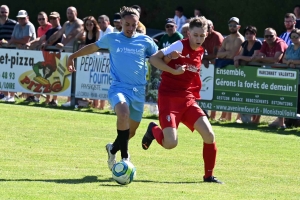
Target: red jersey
[{"x": 189, "y": 83}]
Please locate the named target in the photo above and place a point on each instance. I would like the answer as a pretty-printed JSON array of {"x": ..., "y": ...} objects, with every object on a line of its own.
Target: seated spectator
[
  {"x": 271, "y": 52},
  {"x": 117, "y": 22},
  {"x": 250, "y": 48},
  {"x": 6, "y": 29},
  {"x": 231, "y": 47},
  {"x": 171, "y": 36},
  {"x": 292, "y": 57},
  {"x": 184, "y": 30},
  {"x": 179, "y": 18},
  {"x": 289, "y": 23}
]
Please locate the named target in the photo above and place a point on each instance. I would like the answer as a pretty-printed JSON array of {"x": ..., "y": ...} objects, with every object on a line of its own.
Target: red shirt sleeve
[{"x": 263, "y": 48}]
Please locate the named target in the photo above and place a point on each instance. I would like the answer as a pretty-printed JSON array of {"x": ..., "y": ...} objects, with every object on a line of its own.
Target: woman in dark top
[
  {"x": 250, "y": 48},
  {"x": 88, "y": 36}
]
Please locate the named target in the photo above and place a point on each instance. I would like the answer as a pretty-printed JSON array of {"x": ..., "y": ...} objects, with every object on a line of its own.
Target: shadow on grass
[
  {"x": 260, "y": 127},
  {"x": 92, "y": 179}
]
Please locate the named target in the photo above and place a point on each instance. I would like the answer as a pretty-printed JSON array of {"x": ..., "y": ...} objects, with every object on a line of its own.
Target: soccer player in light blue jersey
[{"x": 128, "y": 52}]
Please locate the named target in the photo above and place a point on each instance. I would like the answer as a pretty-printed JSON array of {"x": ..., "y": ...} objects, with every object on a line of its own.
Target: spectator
[
  {"x": 297, "y": 14},
  {"x": 141, "y": 26},
  {"x": 271, "y": 52},
  {"x": 292, "y": 56},
  {"x": 44, "y": 24},
  {"x": 24, "y": 31},
  {"x": 231, "y": 46},
  {"x": 42, "y": 41},
  {"x": 171, "y": 36},
  {"x": 184, "y": 30},
  {"x": 212, "y": 44},
  {"x": 289, "y": 23},
  {"x": 250, "y": 48},
  {"x": 117, "y": 22},
  {"x": 197, "y": 12},
  {"x": 179, "y": 18},
  {"x": 6, "y": 29},
  {"x": 105, "y": 26},
  {"x": 70, "y": 29}
]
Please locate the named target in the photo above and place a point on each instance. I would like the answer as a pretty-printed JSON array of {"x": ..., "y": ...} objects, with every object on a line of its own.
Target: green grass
[{"x": 59, "y": 154}]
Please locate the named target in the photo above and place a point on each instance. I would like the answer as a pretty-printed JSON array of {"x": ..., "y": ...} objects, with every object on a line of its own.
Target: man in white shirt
[
  {"x": 117, "y": 22},
  {"x": 179, "y": 18},
  {"x": 105, "y": 26}
]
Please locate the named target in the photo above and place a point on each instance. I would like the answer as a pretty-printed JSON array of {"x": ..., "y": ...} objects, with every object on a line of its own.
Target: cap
[
  {"x": 117, "y": 17},
  {"x": 137, "y": 7},
  {"x": 22, "y": 13},
  {"x": 170, "y": 21},
  {"x": 54, "y": 14},
  {"x": 234, "y": 19}
]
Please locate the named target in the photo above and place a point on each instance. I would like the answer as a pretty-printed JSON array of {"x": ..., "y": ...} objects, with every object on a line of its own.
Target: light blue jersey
[
  {"x": 128, "y": 69},
  {"x": 128, "y": 57}
]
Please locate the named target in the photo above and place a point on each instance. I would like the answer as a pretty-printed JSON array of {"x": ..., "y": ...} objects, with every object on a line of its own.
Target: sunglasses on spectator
[
  {"x": 288, "y": 22},
  {"x": 232, "y": 25},
  {"x": 89, "y": 24},
  {"x": 139, "y": 31},
  {"x": 294, "y": 36},
  {"x": 41, "y": 19},
  {"x": 269, "y": 36},
  {"x": 52, "y": 18},
  {"x": 169, "y": 26}
]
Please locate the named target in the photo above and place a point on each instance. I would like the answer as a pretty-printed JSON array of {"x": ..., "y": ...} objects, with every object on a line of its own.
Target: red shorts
[{"x": 173, "y": 110}]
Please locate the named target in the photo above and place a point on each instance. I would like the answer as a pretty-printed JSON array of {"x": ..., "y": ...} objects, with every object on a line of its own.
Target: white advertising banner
[
  {"x": 93, "y": 76},
  {"x": 40, "y": 72}
]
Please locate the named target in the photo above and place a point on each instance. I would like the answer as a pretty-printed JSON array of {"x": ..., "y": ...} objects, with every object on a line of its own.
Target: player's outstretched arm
[
  {"x": 159, "y": 61},
  {"x": 88, "y": 49}
]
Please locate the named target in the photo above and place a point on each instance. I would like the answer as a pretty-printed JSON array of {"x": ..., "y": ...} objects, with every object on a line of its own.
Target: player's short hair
[
  {"x": 200, "y": 22},
  {"x": 129, "y": 11}
]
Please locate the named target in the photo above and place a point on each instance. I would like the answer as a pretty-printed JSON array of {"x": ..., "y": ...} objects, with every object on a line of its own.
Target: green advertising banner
[{"x": 254, "y": 90}]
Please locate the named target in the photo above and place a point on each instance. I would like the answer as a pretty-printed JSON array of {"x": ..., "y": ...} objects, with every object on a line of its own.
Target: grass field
[{"x": 59, "y": 154}]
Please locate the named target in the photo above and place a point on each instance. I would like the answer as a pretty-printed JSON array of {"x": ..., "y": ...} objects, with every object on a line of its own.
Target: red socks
[
  {"x": 209, "y": 157},
  {"x": 158, "y": 134}
]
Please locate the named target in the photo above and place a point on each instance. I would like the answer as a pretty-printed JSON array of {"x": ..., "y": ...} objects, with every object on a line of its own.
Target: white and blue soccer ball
[{"x": 123, "y": 172}]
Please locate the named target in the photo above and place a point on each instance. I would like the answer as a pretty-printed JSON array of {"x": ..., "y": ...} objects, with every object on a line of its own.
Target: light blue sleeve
[
  {"x": 152, "y": 48},
  {"x": 104, "y": 42}
]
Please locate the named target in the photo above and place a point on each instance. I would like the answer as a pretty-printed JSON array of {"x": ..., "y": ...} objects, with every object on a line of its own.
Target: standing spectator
[
  {"x": 42, "y": 41},
  {"x": 117, "y": 22},
  {"x": 70, "y": 29},
  {"x": 197, "y": 12},
  {"x": 297, "y": 14},
  {"x": 179, "y": 18},
  {"x": 289, "y": 23},
  {"x": 184, "y": 30},
  {"x": 6, "y": 29},
  {"x": 271, "y": 52},
  {"x": 105, "y": 26},
  {"x": 212, "y": 44},
  {"x": 23, "y": 32},
  {"x": 90, "y": 35},
  {"x": 171, "y": 36},
  {"x": 231, "y": 47},
  {"x": 292, "y": 56},
  {"x": 250, "y": 48},
  {"x": 42, "y": 29},
  {"x": 141, "y": 27},
  {"x": 44, "y": 24}
]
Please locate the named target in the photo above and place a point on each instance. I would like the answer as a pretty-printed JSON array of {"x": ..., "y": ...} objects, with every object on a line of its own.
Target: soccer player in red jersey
[{"x": 177, "y": 94}]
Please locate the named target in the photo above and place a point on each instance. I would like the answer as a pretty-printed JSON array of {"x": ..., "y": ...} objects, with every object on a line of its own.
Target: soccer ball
[{"x": 123, "y": 172}]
